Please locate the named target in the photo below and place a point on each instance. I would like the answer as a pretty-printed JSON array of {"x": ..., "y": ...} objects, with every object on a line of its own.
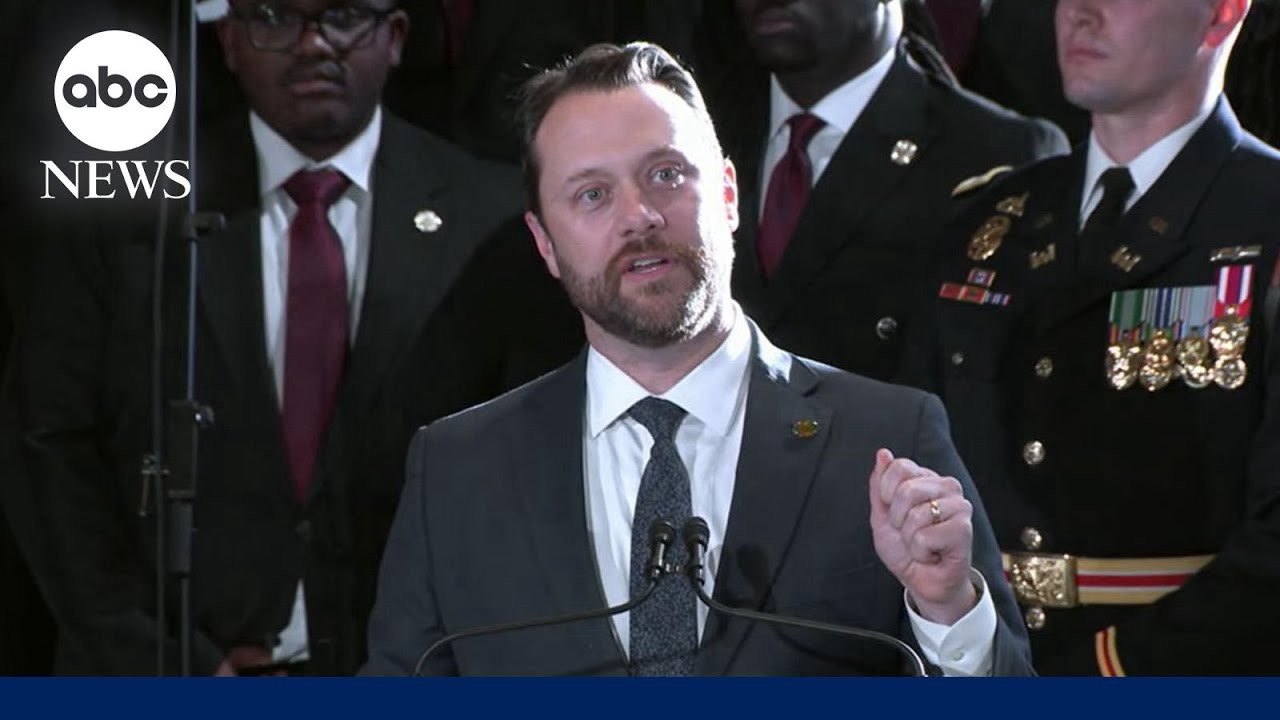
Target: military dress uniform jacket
[
  {"x": 845, "y": 289},
  {"x": 1167, "y": 482}
]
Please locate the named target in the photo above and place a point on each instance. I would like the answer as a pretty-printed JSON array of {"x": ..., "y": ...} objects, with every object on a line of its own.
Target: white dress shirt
[
  {"x": 616, "y": 449},
  {"x": 352, "y": 218},
  {"x": 1145, "y": 169},
  {"x": 840, "y": 109}
]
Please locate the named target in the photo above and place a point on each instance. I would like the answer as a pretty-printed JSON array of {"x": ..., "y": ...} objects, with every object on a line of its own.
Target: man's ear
[
  {"x": 227, "y": 39},
  {"x": 543, "y": 240},
  {"x": 1227, "y": 16},
  {"x": 398, "y": 27},
  {"x": 731, "y": 194}
]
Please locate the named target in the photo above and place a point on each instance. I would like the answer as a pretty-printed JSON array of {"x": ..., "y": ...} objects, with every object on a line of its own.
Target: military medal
[
  {"x": 1123, "y": 359},
  {"x": 1157, "y": 362},
  {"x": 1195, "y": 362},
  {"x": 1169, "y": 331},
  {"x": 1230, "y": 373},
  {"x": 1230, "y": 330},
  {"x": 988, "y": 238},
  {"x": 1229, "y": 334}
]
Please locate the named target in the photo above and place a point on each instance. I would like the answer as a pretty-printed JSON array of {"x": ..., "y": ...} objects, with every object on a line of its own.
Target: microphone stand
[
  {"x": 169, "y": 471},
  {"x": 661, "y": 535},
  {"x": 696, "y": 537}
]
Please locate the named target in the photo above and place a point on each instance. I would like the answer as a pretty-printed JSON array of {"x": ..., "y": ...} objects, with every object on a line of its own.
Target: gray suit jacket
[{"x": 492, "y": 528}]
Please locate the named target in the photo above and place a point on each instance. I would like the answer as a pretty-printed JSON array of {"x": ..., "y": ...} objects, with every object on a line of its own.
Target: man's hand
[
  {"x": 246, "y": 657},
  {"x": 923, "y": 531}
]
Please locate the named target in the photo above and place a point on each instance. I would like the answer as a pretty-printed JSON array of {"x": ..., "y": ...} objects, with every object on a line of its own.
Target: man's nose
[{"x": 641, "y": 216}]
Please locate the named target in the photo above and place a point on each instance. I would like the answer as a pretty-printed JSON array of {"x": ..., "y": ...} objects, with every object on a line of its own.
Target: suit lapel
[
  {"x": 409, "y": 271},
  {"x": 230, "y": 261},
  {"x": 1154, "y": 231},
  {"x": 776, "y": 468},
  {"x": 550, "y": 484},
  {"x": 844, "y": 198}
]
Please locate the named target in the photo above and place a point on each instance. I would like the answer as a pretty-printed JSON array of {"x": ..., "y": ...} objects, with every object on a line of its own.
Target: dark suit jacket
[
  {"x": 431, "y": 340},
  {"x": 846, "y": 287},
  {"x": 1132, "y": 473},
  {"x": 492, "y": 528}
]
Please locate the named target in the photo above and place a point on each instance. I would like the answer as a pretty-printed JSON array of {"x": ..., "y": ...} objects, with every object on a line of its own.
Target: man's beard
[{"x": 673, "y": 318}]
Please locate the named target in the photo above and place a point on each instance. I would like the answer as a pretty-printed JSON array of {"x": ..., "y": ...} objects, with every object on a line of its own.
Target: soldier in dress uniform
[
  {"x": 852, "y": 157},
  {"x": 1103, "y": 336}
]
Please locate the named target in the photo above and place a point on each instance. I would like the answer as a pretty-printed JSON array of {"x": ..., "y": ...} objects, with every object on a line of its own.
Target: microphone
[
  {"x": 661, "y": 535},
  {"x": 696, "y": 538}
]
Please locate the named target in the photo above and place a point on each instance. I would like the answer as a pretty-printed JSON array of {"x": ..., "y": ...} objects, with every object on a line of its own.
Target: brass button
[
  {"x": 1035, "y": 618},
  {"x": 1033, "y": 453},
  {"x": 957, "y": 358},
  {"x": 886, "y": 327},
  {"x": 1044, "y": 368},
  {"x": 1032, "y": 539}
]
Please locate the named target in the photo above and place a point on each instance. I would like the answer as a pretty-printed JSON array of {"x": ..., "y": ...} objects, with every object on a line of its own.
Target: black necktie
[
  {"x": 664, "y": 630},
  {"x": 1096, "y": 241}
]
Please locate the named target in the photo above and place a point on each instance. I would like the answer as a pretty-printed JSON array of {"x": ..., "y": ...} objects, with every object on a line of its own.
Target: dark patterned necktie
[
  {"x": 664, "y": 629},
  {"x": 315, "y": 346},
  {"x": 788, "y": 192},
  {"x": 1096, "y": 241}
]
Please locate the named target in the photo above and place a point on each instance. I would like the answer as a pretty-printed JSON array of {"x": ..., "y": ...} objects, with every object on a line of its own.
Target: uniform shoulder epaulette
[{"x": 970, "y": 184}]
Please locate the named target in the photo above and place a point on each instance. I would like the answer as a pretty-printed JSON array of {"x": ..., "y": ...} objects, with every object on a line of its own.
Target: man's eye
[
  {"x": 345, "y": 17},
  {"x": 667, "y": 175},
  {"x": 591, "y": 195},
  {"x": 271, "y": 16}
]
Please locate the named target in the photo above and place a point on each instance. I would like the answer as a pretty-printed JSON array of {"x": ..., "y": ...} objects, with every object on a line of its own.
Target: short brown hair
[{"x": 601, "y": 67}]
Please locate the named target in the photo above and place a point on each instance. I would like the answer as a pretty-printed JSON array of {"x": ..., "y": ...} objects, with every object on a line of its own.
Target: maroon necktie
[
  {"x": 788, "y": 190},
  {"x": 315, "y": 345},
  {"x": 457, "y": 17},
  {"x": 958, "y": 22}
]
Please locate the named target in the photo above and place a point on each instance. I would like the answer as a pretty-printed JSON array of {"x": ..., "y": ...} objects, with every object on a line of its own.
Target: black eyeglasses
[{"x": 278, "y": 28}]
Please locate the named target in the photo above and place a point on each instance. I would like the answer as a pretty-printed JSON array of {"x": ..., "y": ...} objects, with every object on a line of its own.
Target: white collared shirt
[
  {"x": 1145, "y": 169},
  {"x": 352, "y": 218},
  {"x": 840, "y": 109},
  {"x": 616, "y": 448}
]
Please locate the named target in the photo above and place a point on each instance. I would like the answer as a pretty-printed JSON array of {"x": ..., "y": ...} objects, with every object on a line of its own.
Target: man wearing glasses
[{"x": 356, "y": 293}]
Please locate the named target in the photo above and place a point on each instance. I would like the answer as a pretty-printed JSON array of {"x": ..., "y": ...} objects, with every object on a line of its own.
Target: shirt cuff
[{"x": 964, "y": 649}]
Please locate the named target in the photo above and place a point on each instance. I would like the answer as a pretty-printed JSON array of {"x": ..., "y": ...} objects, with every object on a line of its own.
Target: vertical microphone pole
[
  {"x": 187, "y": 416},
  {"x": 171, "y": 469}
]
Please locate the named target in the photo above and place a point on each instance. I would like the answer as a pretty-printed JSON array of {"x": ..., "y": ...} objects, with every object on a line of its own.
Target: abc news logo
[{"x": 115, "y": 92}]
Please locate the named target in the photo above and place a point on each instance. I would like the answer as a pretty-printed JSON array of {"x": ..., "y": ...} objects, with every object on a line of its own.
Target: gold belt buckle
[{"x": 1043, "y": 580}]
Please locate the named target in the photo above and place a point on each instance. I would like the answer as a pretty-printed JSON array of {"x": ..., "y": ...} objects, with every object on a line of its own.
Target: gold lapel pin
[
  {"x": 804, "y": 429},
  {"x": 1124, "y": 259},
  {"x": 427, "y": 221},
  {"x": 904, "y": 152},
  {"x": 1040, "y": 258}
]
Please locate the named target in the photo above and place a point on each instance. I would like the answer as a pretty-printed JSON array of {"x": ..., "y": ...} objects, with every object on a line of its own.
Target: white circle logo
[{"x": 114, "y": 91}]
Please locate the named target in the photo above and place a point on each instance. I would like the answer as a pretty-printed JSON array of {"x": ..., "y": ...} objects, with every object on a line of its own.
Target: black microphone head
[
  {"x": 662, "y": 532},
  {"x": 697, "y": 532}
]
